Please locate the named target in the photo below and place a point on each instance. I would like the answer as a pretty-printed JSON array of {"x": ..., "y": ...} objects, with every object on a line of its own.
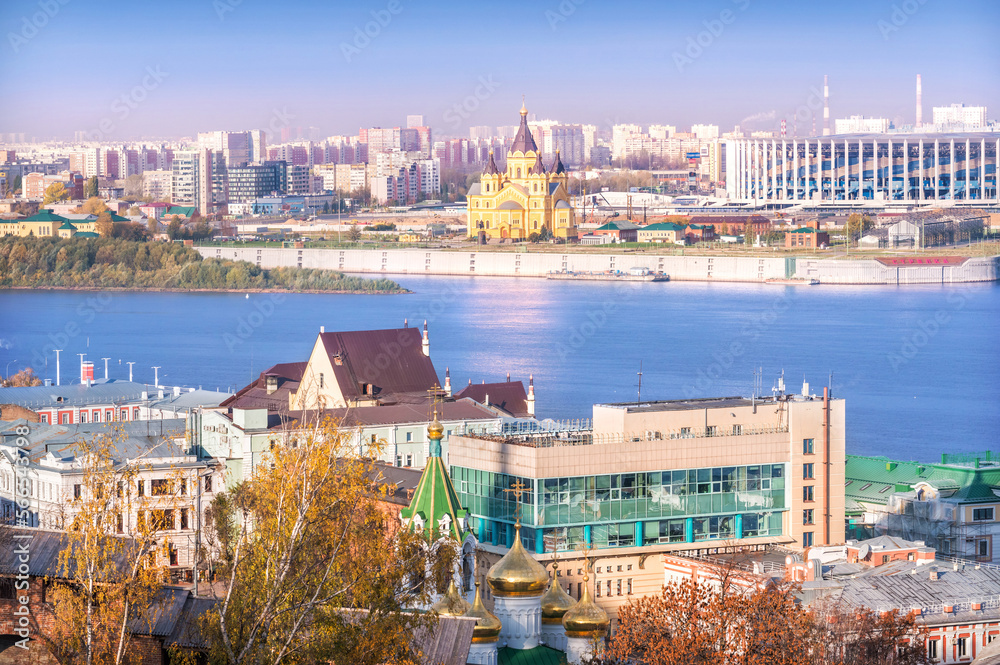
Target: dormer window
[{"x": 272, "y": 384}]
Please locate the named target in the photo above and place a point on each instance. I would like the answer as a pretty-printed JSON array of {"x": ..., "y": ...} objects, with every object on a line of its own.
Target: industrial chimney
[
  {"x": 826, "y": 105},
  {"x": 920, "y": 105}
]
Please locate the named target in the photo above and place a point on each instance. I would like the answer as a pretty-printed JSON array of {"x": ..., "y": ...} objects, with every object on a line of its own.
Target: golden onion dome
[
  {"x": 451, "y": 604},
  {"x": 556, "y": 602},
  {"x": 586, "y": 619},
  {"x": 517, "y": 573},
  {"x": 488, "y": 626},
  {"x": 435, "y": 431}
]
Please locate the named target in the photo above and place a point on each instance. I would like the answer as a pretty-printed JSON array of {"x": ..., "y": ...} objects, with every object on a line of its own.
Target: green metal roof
[
  {"x": 540, "y": 655},
  {"x": 118, "y": 218},
  {"x": 186, "y": 211},
  {"x": 67, "y": 227},
  {"x": 662, "y": 226},
  {"x": 434, "y": 498},
  {"x": 86, "y": 234},
  {"x": 804, "y": 229},
  {"x": 45, "y": 215},
  {"x": 874, "y": 479}
]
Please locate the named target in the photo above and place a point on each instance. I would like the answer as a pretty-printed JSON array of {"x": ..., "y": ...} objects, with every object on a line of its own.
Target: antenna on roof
[{"x": 831, "y": 385}]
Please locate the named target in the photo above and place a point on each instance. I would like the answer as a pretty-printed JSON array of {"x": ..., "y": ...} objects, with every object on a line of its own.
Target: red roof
[
  {"x": 391, "y": 361},
  {"x": 509, "y": 396}
]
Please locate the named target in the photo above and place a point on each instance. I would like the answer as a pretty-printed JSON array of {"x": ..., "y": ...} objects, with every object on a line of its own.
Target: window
[
  {"x": 45, "y": 418},
  {"x": 109, "y": 415},
  {"x": 321, "y": 379},
  {"x": 64, "y": 419},
  {"x": 807, "y": 539},
  {"x": 982, "y": 514},
  {"x": 885, "y": 558},
  {"x": 159, "y": 487},
  {"x": 97, "y": 416},
  {"x": 124, "y": 415},
  {"x": 629, "y": 586},
  {"x": 983, "y": 548},
  {"x": 807, "y": 446},
  {"x": 619, "y": 586},
  {"x": 932, "y": 649},
  {"x": 182, "y": 487},
  {"x": 597, "y": 587},
  {"x": 409, "y": 460},
  {"x": 120, "y": 526},
  {"x": 807, "y": 493},
  {"x": 77, "y": 491},
  {"x": 808, "y": 516},
  {"x": 711, "y": 430},
  {"x": 135, "y": 414},
  {"x": 399, "y": 460},
  {"x": 83, "y": 416},
  {"x": 7, "y": 588},
  {"x": 609, "y": 587},
  {"x": 961, "y": 646},
  {"x": 184, "y": 518},
  {"x": 208, "y": 483},
  {"x": 161, "y": 519},
  {"x": 807, "y": 471},
  {"x": 579, "y": 588},
  {"x": 409, "y": 437}
]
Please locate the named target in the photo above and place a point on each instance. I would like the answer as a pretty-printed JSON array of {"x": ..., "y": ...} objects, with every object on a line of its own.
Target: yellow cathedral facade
[{"x": 523, "y": 199}]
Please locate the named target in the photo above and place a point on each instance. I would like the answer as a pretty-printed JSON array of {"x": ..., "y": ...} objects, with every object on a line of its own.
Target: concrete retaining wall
[{"x": 537, "y": 264}]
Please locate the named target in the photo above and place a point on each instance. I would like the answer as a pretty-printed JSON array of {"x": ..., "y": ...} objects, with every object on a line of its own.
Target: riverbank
[
  {"x": 919, "y": 268},
  {"x": 166, "y": 289}
]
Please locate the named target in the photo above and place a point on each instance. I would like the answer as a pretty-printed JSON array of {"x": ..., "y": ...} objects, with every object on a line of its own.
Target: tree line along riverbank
[{"x": 115, "y": 263}]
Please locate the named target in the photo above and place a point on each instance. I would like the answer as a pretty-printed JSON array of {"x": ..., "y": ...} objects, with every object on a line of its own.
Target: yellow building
[{"x": 525, "y": 198}]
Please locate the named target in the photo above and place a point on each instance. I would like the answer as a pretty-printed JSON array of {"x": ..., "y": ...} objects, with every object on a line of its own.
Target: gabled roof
[
  {"x": 357, "y": 361},
  {"x": 475, "y": 189},
  {"x": 868, "y": 478},
  {"x": 67, "y": 227},
  {"x": 804, "y": 229},
  {"x": 186, "y": 211},
  {"x": 560, "y": 204},
  {"x": 508, "y": 396},
  {"x": 523, "y": 141},
  {"x": 45, "y": 215}
]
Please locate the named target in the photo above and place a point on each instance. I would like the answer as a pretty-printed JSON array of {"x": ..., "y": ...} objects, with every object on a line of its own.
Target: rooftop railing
[{"x": 583, "y": 437}]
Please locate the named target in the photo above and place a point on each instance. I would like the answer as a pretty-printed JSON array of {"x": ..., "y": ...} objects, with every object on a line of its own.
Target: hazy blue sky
[{"x": 232, "y": 64}]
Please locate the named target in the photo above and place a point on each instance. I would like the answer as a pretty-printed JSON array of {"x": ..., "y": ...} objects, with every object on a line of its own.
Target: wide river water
[{"x": 918, "y": 366}]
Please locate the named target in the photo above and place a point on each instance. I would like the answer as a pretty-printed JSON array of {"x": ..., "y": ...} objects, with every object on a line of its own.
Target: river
[{"x": 918, "y": 365}]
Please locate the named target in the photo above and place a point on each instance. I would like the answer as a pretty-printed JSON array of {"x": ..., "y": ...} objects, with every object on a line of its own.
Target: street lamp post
[{"x": 7, "y": 371}]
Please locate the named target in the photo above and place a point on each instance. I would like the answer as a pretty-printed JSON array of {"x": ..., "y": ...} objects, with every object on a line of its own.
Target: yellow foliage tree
[
  {"x": 54, "y": 193},
  {"x": 108, "y": 575},
  {"x": 311, "y": 566}
]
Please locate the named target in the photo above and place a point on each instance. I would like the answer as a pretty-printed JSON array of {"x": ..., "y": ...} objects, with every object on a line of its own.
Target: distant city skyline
[{"x": 173, "y": 70}]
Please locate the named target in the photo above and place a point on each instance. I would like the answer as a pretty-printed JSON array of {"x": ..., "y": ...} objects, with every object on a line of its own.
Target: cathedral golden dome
[
  {"x": 488, "y": 627},
  {"x": 586, "y": 619},
  {"x": 556, "y": 602},
  {"x": 517, "y": 573},
  {"x": 451, "y": 604}
]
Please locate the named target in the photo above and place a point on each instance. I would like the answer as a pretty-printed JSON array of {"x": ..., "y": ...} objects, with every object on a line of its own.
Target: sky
[{"x": 138, "y": 68}]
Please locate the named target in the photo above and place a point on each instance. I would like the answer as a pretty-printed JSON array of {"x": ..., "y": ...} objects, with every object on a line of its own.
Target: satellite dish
[{"x": 863, "y": 552}]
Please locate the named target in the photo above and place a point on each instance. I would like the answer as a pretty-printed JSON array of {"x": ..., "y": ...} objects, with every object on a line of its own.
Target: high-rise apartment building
[
  {"x": 620, "y": 134},
  {"x": 705, "y": 132},
  {"x": 959, "y": 117},
  {"x": 200, "y": 179},
  {"x": 252, "y": 181},
  {"x": 158, "y": 184}
]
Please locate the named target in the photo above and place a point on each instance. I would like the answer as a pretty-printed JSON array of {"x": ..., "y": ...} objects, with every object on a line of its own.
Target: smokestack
[
  {"x": 826, "y": 105},
  {"x": 447, "y": 382},
  {"x": 920, "y": 105},
  {"x": 782, "y": 128},
  {"x": 426, "y": 341}
]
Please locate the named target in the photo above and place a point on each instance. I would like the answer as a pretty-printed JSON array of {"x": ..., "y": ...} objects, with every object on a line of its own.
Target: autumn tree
[
  {"x": 94, "y": 206},
  {"x": 90, "y": 188},
  {"x": 26, "y": 377},
  {"x": 857, "y": 225},
  {"x": 55, "y": 193},
  {"x": 310, "y": 568},
  {"x": 104, "y": 225},
  {"x": 152, "y": 226},
  {"x": 354, "y": 234},
  {"x": 108, "y": 576}
]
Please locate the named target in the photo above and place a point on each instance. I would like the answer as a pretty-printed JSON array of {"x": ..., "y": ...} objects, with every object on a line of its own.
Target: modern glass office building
[{"x": 720, "y": 503}]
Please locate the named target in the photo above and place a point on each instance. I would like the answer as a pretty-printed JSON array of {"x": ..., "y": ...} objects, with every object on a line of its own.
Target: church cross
[{"x": 517, "y": 489}]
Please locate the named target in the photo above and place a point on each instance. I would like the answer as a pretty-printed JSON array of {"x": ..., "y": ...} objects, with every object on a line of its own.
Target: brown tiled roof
[
  {"x": 393, "y": 414},
  {"x": 508, "y": 396},
  {"x": 254, "y": 395},
  {"x": 391, "y": 361}
]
